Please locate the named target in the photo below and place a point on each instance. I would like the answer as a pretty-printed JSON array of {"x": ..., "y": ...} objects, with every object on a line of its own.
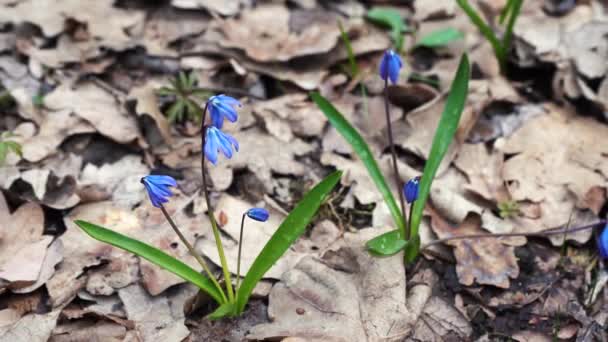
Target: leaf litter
[{"x": 98, "y": 125}]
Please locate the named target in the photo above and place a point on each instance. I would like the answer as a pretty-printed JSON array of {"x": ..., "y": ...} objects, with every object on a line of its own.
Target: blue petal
[
  {"x": 258, "y": 214},
  {"x": 162, "y": 179},
  {"x": 211, "y": 145},
  {"x": 602, "y": 242},
  {"x": 383, "y": 70},
  {"x": 225, "y": 146},
  {"x": 217, "y": 119},
  {"x": 157, "y": 187},
  {"x": 228, "y": 100},
  {"x": 410, "y": 189}
]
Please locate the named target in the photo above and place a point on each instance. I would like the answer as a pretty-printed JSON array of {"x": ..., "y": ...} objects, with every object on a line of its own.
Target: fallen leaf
[
  {"x": 485, "y": 261},
  {"x": 153, "y": 316},
  {"x": 97, "y": 107},
  {"x": 34, "y": 328},
  {"x": 23, "y": 246},
  {"x": 293, "y": 33},
  {"x": 223, "y": 7},
  {"x": 316, "y": 301}
]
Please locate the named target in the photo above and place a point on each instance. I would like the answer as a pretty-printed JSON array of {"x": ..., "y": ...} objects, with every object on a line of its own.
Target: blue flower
[
  {"x": 220, "y": 107},
  {"x": 217, "y": 140},
  {"x": 258, "y": 214},
  {"x": 410, "y": 189},
  {"x": 158, "y": 188},
  {"x": 390, "y": 66},
  {"x": 602, "y": 243}
]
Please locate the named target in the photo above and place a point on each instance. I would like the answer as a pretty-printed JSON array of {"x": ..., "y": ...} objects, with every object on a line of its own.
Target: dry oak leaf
[
  {"x": 485, "y": 261},
  {"x": 23, "y": 248},
  {"x": 348, "y": 296},
  {"x": 96, "y": 106},
  {"x": 293, "y": 33}
]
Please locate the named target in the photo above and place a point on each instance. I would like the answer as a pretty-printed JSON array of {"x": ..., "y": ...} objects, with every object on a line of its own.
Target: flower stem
[
  {"x": 238, "y": 263},
  {"x": 406, "y": 231},
  {"x": 548, "y": 232},
  {"x": 196, "y": 256},
  {"x": 210, "y": 213}
]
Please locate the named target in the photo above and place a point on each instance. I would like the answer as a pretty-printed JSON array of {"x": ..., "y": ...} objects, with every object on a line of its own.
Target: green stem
[
  {"x": 210, "y": 213},
  {"x": 406, "y": 232},
  {"x": 196, "y": 256},
  {"x": 238, "y": 258}
]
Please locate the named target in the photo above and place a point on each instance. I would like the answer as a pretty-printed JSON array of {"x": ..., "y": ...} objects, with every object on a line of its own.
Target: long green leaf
[
  {"x": 152, "y": 254},
  {"x": 391, "y": 18},
  {"x": 440, "y": 37},
  {"x": 485, "y": 30},
  {"x": 448, "y": 124},
  {"x": 360, "y": 147},
  {"x": 288, "y": 232},
  {"x": 515, "y": 8}
]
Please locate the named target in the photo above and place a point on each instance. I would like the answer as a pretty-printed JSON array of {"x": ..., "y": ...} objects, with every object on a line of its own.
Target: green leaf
[
  {"x": 485, "y": 30},
  {"x": 515, "y": 7},
  {"x": 440, "y": 37},
  {"x": 387, "y": 244},
  {"x": 292, "y": 227},
  {"x": 411, "y": 249},
  {"x": 176, "y": 111},
  {"x": 446, "y": 129},
  {"x": 3, "y": 152},
  {"x": 226, "y": 309},
  {"x": 152, "y": 254},
  {"x": 354, "y": 68},
  {"x": 391, "y": 18},
  {"x": 360, "y": 147},
  {"x": 15, "y": 147}
]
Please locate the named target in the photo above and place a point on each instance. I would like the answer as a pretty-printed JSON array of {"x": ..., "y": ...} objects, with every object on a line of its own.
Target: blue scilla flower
[
  {"x": 390, "y": 66},
  {"x": 602, "y": 243},
  {"x": 220, "y": 107},
  {"x": 258, "y": 214},
  {"x": 216, "y": 140},
  {"x": 410, "y": 189},
  {"x": 158, "y": 188}
]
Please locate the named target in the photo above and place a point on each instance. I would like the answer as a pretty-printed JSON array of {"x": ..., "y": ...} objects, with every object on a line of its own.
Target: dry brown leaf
[
  {"x": 147, "y": 104},
  {"x": 96, "y": 106},
  {"x": 558, "y": 168},
  {"x": 155, "y": 320},
  {"x": 440, "y": 321},
  {"x": 23, "y": 248},
  {"x": 31, "y": 328},
  {"x": 54, "y": 256},
  {"x": 83, "y": 330},
  {"x": 105, "y": 23},
  {"x": 331, "y": 302},
  {"x": 294, "y": 33},
  {"x": 483, "y": 168},
  {"x": 485, "y": 261},
  {"x": 223, "y": 7}
]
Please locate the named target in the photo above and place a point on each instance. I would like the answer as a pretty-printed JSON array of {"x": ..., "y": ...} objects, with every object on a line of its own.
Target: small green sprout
[
  {"x": 508, "y": 209},
  {"x": 183, "y": 88},
  {"x": 509, "y": 14},
  {"x": 391, "y": 18},
  {"x": 7, "y": 146}
]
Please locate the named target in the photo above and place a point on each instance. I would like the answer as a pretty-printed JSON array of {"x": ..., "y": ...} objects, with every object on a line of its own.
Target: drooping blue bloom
[
  {"x": 602, "y": 243},
  {"x": 216, "y": 140},
  {"x": 390, "y": 65},
  {"x": 410, "y": 189},
  {"x": 158, "y": 188},
  {"x": 258, "y": 214},
  {"x": 220, "y": 107}
]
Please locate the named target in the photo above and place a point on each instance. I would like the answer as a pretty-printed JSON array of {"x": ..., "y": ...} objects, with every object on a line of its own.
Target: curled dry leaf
[
  {"x": 350, "y": 296},
  {"x": 485, "y": 261},
  {"x": 23, "y": 247}
]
